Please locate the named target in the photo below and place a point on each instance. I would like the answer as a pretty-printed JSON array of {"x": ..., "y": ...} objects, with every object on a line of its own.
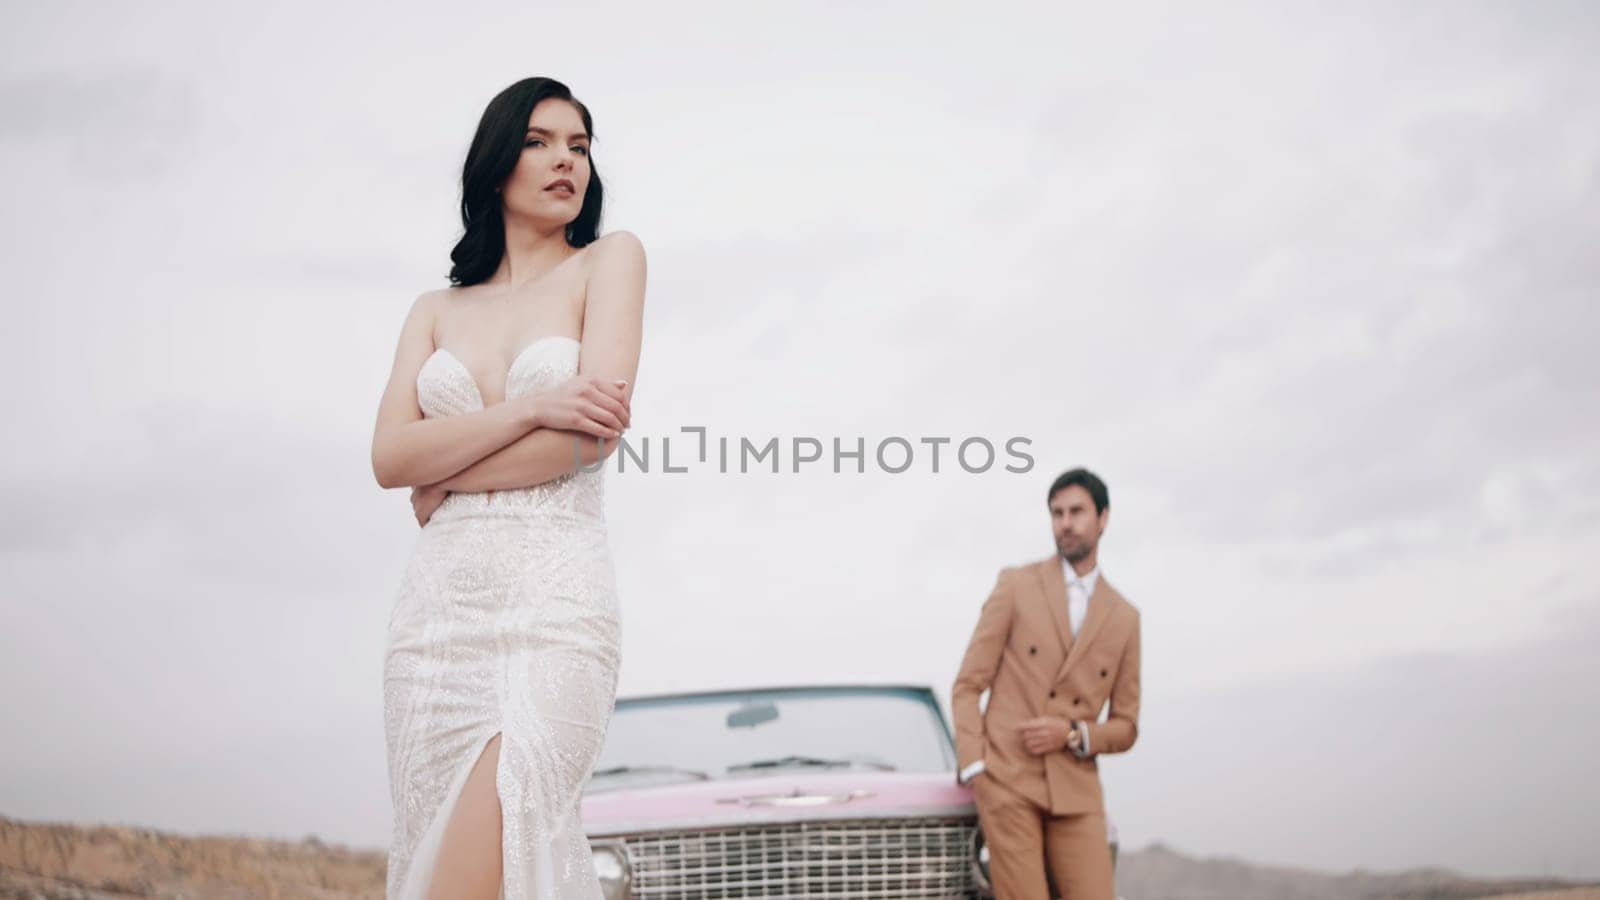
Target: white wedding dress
[{"x": 506, "y": 622}]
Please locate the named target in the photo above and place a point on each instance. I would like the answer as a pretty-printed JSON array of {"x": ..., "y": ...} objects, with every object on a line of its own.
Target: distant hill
[
  {"x": 1161, "y": 873},
  {"x": 86, "y": 862}
]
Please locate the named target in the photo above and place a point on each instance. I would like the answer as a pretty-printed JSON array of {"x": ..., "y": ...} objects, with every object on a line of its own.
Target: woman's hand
[
  {"x": 425, "y": 499},
  {"x": 584, "y": 403}
]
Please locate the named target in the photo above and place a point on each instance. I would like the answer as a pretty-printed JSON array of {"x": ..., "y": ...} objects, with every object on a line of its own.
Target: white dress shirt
[{"x": 1079, "y": 589}]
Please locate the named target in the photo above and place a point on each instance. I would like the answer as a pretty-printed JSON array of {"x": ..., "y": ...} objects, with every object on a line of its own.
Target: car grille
[{"x": 869, "y": 858}]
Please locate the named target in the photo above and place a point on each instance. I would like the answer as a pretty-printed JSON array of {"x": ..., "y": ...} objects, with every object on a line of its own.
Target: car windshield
[{"x": 692, "y": 737}]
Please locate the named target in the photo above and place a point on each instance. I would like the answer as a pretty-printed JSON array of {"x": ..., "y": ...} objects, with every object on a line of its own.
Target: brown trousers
[{"x": 1024, "y": 840}]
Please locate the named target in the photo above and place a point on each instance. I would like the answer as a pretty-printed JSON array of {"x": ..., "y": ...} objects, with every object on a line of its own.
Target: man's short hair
[{"x": 1088, "y": 481}]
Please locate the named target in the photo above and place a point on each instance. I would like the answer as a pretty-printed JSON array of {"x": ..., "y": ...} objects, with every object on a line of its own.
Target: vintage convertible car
[{"x": 783, "y": 792}]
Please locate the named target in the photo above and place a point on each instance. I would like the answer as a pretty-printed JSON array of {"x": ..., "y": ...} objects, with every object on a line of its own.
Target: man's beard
[{"x": 1074, "y": 551}]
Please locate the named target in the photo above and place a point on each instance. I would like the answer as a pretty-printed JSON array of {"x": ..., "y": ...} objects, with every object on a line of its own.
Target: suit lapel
[
  {"x": 1099, "y": 610},
  {"x": 1053, "y": 584}
]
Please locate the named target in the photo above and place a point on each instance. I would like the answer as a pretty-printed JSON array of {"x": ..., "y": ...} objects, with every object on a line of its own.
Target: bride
[{"x": 504, "y": 639}]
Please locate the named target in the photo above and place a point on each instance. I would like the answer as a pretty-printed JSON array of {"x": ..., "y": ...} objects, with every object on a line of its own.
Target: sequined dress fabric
[{"x": 506, "y": 622}]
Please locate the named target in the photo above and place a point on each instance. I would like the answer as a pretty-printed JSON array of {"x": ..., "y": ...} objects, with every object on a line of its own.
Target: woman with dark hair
[{"x": 508, "y": 391}]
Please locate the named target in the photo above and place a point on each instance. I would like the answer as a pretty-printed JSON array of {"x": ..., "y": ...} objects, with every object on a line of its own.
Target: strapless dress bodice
[{"x": 446, "y": 388}]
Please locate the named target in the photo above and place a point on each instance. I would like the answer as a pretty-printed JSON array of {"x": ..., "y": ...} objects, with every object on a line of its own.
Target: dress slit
[{"x": 420, "y": 874}]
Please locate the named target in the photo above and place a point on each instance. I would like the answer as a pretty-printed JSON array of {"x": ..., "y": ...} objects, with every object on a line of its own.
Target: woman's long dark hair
[{"x": 493, "y": 155}]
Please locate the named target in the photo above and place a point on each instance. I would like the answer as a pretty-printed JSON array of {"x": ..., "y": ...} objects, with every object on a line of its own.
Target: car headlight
[
  {"x": 980, "y": 864},
  {"x": 612, "y": 868}
]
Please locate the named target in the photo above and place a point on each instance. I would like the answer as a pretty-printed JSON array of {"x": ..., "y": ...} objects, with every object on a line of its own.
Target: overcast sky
[{"x": 1313, "y": 287}]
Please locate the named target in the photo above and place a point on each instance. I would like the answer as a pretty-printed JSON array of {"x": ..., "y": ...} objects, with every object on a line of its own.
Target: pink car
[{"x": 783, "y": 792}]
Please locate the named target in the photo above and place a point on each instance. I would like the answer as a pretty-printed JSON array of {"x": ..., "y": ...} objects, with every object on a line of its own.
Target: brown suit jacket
[{"x": 1024, "y": 653}]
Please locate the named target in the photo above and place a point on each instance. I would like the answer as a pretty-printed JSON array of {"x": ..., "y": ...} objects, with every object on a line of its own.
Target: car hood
[{"x": 779, "y": 797}]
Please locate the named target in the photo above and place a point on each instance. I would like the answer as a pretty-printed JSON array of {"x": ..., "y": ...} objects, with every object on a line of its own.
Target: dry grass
[{"x": 56, "y": 862}]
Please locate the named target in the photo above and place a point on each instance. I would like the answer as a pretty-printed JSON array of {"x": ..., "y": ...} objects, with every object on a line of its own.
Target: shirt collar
[{"x": 1088, "y": 579}]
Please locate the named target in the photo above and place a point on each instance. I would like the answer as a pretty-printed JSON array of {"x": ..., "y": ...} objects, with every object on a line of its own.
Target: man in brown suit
[{"x": 1054, "y": 643}]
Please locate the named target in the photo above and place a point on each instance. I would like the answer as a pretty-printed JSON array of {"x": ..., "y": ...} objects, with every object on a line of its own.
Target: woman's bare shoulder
[
  {"x": 427, "y": 310},
  {"x": 429, "y": 299},
  {"x": 615, "y": 248},
  {"x": 434, "y": 297},
  {"x": 433, "y": 301}
]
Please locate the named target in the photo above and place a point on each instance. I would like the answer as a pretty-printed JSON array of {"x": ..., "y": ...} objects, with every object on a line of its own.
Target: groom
[{"x": 1054, "y": 642}]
